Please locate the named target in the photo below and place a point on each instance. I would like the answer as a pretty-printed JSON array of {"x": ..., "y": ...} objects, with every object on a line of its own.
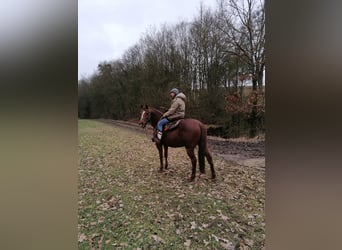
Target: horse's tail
[{"x": 202, "y": 144}]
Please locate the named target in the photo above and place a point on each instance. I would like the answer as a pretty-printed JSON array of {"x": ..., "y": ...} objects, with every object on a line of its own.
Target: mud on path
[
  {"x": 245, "y": 152},
  {"x": 242, "y": 151}
]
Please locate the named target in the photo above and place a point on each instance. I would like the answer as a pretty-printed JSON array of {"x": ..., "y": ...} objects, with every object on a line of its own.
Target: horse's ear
[
  {"x": 146, "y": 106},
  {"x": 141, "y": 106}
]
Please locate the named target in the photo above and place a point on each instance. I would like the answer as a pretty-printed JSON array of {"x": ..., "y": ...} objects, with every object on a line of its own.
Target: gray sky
[{"x": 107, "y": 28}]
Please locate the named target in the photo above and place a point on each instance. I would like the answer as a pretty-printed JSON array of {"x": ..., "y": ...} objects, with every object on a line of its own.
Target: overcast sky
[{"x": 107, "y": 28}]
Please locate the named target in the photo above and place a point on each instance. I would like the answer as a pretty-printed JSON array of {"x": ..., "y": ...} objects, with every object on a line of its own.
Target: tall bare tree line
[{"x": 209, "y": 59}]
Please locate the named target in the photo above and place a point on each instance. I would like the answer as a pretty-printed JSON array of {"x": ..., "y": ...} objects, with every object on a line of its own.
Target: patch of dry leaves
[{"x": 125, "y": 203}]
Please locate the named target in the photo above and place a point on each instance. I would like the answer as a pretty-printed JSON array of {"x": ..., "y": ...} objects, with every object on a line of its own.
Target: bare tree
[{"x": 242, "y": 23}]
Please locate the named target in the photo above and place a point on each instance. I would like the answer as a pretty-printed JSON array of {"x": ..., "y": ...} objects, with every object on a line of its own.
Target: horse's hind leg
[
  {"x": 211, "y": 163},
  {"x": 192, "y": 156},
  {"x": 165, "y": 155}
]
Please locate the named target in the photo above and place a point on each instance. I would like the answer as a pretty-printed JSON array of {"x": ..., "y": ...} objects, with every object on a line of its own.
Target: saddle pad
[{"x": 171, "y": 125}]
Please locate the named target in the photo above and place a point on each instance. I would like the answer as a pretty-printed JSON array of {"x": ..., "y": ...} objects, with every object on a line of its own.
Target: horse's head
[{"x": 145, "y": 116}]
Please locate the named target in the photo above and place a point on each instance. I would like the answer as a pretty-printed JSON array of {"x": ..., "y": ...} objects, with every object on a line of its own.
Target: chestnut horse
[{"x": 188, "y": 134}]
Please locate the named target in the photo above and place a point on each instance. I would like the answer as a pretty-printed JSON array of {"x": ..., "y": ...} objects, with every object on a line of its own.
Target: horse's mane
[{"x": 156, "y": 110}]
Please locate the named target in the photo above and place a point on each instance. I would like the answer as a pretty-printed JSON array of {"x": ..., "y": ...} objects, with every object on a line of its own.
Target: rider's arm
[{"x": 171, "y": 110}]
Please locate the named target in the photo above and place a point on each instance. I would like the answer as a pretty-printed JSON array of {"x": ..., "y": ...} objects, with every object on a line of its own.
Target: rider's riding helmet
[{"x": 174, "y": 90}]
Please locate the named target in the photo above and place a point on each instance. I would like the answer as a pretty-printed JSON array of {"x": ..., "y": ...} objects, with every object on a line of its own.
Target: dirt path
[
  {"x": 241, "y": 151},
  {"x": 249, "y": 153}
]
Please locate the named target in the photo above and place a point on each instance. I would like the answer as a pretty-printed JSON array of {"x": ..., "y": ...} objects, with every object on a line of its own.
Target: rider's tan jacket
[{"x": 177, "y": 109}]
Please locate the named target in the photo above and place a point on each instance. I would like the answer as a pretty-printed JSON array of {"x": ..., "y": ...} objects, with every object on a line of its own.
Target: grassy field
[{"x": 125, "y": 203}]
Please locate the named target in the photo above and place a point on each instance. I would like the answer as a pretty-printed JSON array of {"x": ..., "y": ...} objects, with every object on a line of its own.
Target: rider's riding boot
[
  {"x": 154, "y": 135},
  {"x": 157, "y": 137}
]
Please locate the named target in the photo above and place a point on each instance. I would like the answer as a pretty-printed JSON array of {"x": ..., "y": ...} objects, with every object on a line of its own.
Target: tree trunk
[{"x": 253, "y": 117}]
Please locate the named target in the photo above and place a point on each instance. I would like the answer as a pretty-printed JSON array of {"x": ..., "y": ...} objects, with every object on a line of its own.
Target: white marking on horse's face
[{"x": 142, "y": 116}]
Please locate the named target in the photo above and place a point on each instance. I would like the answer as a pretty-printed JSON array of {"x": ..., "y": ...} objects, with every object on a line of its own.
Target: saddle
[{"x": 171, "y": 125}]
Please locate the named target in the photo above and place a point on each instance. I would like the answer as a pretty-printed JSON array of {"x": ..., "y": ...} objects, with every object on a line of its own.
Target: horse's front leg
[
  {"x": 160, "y": 150},
  {"x": 165, "y": 155}
]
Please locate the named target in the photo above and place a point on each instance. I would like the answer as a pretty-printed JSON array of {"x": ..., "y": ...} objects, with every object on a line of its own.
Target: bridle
[{"x": 145, "y": 121}]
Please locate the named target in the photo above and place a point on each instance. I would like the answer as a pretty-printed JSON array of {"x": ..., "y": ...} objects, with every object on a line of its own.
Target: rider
[{"x": 175, "y": 112}]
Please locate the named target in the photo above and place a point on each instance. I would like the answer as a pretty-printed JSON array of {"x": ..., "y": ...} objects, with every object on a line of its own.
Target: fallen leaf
[
  {"x": 215, "y": 237},
  {"x": 82, "y": 237},
  {"x": 248, "y": 242},
  {"x": 158, "y": 239},
  {"x": 228, "y": 246},
  {"x": 187, "y": 244},
  {"x": 223, "y": 217}
]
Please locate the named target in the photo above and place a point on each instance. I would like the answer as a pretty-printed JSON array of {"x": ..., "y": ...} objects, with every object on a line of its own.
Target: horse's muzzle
[{"x": 142, "y": 124}]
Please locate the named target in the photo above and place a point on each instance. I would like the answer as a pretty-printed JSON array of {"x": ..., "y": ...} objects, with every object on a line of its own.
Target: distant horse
[{"x": 188, "y": 134}]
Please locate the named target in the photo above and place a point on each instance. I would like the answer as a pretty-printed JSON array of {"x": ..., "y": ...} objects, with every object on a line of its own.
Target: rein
[
  {"x": 149, "y": 117},
  {"x": 149, "y": 120}
]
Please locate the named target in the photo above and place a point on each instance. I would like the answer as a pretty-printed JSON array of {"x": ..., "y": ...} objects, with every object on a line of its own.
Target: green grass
[{"x": 125, "y": 203}]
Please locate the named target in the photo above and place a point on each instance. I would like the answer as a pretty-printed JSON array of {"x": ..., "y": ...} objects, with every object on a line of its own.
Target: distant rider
[{"x": 175, "y": 112}]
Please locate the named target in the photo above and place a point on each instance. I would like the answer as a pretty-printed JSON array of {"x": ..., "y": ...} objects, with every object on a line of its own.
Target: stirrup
[
  {"x": 159, "y": 135},
  {"x": 155, "y": 137},
  {"x": 156, "y": 140}
]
